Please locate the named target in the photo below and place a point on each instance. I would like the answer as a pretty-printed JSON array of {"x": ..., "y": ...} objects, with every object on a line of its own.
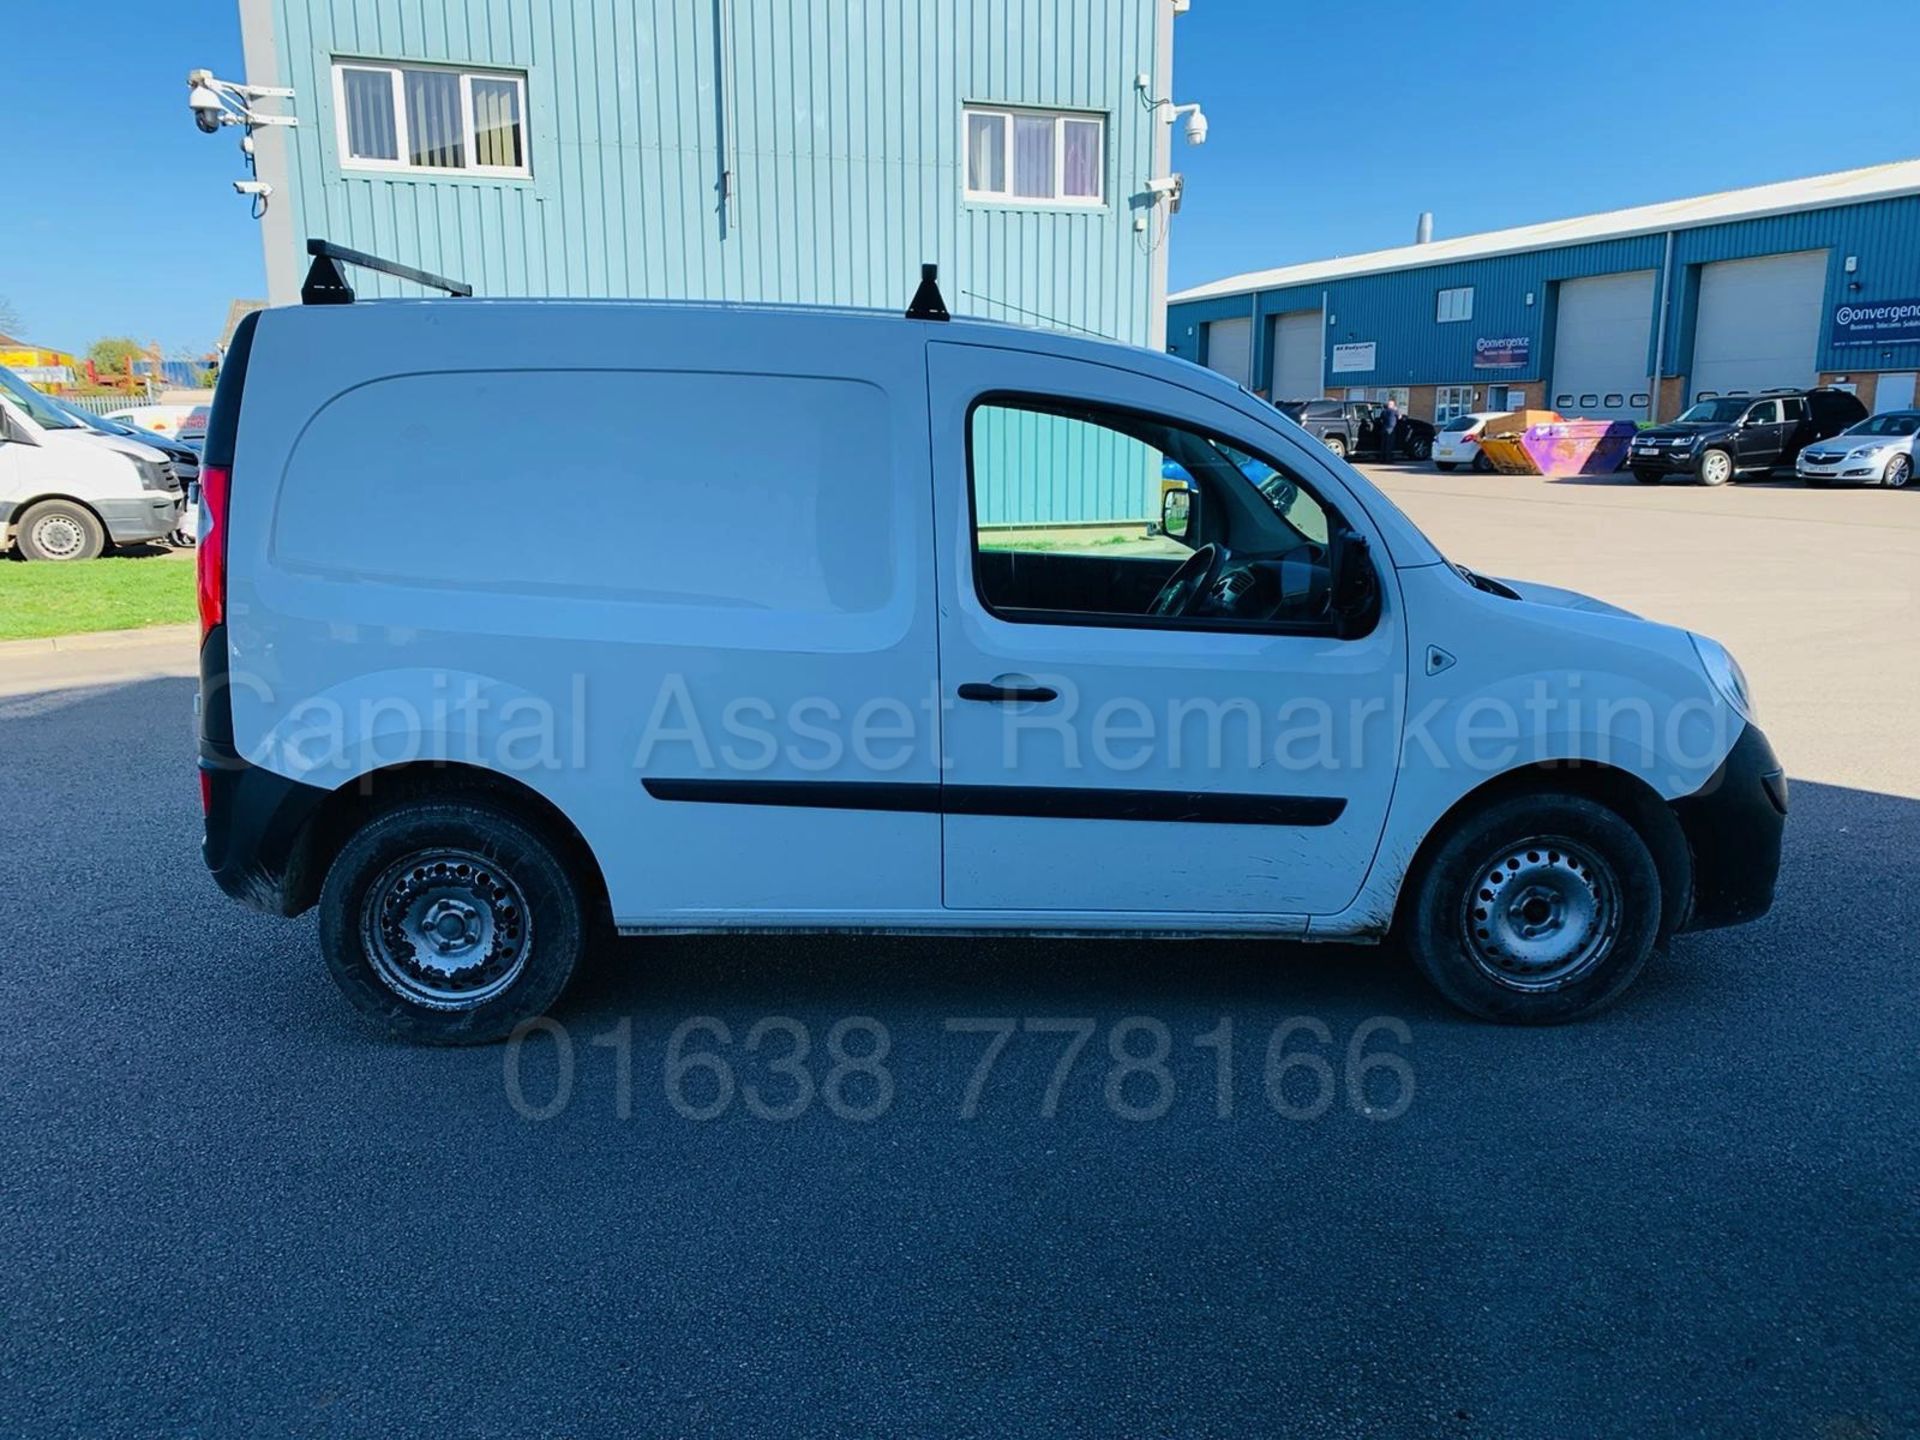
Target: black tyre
[
  {"x": 1336, "y": 444},
  {"x": 1647, "y": 477},
  {"x": 1715, "y": 467},
  {"x": 1446, "y": 464},
  {"x": 1481, "y": 464},
  {"x": 1420, "y": 447},
  {"x": 450, "y": 921},
  {"x": 1534, "y": 910},
  {"x": 60, "y": 530},
  {"x": 1899, "y": 470}
]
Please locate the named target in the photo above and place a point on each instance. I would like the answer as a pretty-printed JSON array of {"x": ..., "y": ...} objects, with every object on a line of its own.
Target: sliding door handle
[{"x": 1007, "y": 694}]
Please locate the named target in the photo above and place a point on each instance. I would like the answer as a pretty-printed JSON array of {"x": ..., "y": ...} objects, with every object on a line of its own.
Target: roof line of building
[{"x": 1817, "y": 192}]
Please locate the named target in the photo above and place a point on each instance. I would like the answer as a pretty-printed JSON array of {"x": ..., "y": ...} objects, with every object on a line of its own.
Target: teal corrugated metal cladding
[
  {"x": 844, "y": 150},
  {"x": 1396, "y": 309},
  {"x": 837, "y": 124}
]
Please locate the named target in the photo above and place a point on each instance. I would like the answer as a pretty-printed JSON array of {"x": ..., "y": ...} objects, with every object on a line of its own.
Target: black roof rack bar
[{"x": 325, "y": 285}]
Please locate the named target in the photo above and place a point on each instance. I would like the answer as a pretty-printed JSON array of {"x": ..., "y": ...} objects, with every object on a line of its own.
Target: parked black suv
[
  {"x": 1352, "y": 427},
  {"x": 1729, "y": 436}
]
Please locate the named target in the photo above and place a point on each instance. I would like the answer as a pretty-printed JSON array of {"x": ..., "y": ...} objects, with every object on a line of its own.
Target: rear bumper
[
  {"x": 1734, "y": 825},
  {"x": 258, "y": 824}
]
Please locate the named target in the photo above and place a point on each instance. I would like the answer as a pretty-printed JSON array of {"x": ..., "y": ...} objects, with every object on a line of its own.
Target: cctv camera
[
  {"x": 1197, "y": 127},
  {"x": 208, "y": 112},
  {"x": 253, "y": 187}
]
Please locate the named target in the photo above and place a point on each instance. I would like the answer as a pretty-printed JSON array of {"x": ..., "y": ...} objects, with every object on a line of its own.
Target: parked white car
[
  {"x": 1880, "y": 450},
  {"x": 1458, "y": 441},
  {"x": 781, "y": 678},
  {"x": 67, "y": 491}
]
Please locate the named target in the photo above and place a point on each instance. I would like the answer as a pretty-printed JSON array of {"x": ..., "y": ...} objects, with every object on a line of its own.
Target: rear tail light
[
  {"x": 206, "y": 793},
  {"x": 1469, "y": 439},
  {"x": 211, "y": 556}
]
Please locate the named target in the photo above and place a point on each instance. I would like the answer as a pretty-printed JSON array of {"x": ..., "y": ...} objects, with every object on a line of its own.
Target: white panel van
[
  {"x": 67, "y": 491},
  {"x": 754, "y": 639}
]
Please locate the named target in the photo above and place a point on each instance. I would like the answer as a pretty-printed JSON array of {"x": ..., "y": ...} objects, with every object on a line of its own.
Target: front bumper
[
  {"x": 147, "y": 518},
  {"x": 1734, "y": 824},
  {"x": 1663, "y": 461},
  {"x": 1841, "y": 469}
]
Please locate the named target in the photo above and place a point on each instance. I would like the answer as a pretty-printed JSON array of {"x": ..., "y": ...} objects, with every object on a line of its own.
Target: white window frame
[
  {"x": 402, "y": 139},
  {"x": 1057, "y": 201},
  {"x": 1451, "y": 401},
  {"x": 1457, "y": 299}
]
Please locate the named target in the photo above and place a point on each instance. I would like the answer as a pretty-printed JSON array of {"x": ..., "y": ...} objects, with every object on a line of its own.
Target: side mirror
[
  {"x": 1176, "y": 512},
  {"x": 11, "y": 427},
  {"x": 1355, "y": 595}
]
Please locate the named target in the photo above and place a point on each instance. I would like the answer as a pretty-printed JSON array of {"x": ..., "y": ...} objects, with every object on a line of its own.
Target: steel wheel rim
[
  {"x": 1716, "y": 468},
  {"x": 1541, "y": 914},
  {"x": 446, "y": 929},
  {"x": 59, "y": 536}
]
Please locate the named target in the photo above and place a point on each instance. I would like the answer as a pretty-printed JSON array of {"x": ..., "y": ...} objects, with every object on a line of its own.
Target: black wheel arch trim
[{"x": 1735, "y": 824}]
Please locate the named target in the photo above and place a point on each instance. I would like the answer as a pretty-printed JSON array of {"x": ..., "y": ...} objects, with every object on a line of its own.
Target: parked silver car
[{"x": 1880, "y": 450}]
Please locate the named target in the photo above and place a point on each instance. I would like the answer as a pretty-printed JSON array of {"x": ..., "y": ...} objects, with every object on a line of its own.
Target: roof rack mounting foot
[
  {"x": 325, "y": 285},
  {"x": 927, "y": 304}
]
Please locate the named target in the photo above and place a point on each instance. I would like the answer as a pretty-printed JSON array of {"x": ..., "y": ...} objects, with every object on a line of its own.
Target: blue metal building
[
  {"x": 1629, "y": 314},
  {"x": 810, "y": 152}
]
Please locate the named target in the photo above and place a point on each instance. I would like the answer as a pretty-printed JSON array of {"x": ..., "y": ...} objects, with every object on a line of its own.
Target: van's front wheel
[
  {"x": 1537, "y": 909},
  {"x": 450, "y": 921},
  {"x": 61, "y": 530}
]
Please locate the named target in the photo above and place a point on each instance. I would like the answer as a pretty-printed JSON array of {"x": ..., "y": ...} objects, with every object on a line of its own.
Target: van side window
[{"x": 1244, "y": 544}]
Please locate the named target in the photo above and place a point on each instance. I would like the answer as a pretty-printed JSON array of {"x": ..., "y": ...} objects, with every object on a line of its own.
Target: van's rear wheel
[
  {"x": 450, "y": 921},
  {"x": 61, "y": 530},
  {"x": 1536, "y": 909}
]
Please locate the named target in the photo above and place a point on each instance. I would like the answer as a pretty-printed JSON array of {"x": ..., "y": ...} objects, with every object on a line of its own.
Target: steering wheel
[{"x": 1195, "y": 578}]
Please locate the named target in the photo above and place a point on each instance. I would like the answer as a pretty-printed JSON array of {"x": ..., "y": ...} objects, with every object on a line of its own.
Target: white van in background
[
  {"x": 67, "y": 491},
  {"x": 788, "y": 673},
  {"x": 161, "y": 419}
]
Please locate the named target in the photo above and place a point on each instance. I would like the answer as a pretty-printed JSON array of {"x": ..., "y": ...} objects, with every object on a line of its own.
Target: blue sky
[{"x": 1333, "y": 126}]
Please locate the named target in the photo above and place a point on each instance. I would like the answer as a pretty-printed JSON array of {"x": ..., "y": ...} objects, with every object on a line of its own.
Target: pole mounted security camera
[
  {"x": 1196, "y": 122},
  {"x": 1196, "y": 117},
  {"x": 216, "y": 102},
  {"x": 208, "y": 111}
]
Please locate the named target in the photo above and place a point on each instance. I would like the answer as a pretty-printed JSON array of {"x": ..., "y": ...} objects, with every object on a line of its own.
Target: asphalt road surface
[{"x": 229, "y": 1210}]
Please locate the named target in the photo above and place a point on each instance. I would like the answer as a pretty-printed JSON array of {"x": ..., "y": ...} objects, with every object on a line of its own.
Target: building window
[
  {"x": 1454, "y": 305},
  {"x": 430, "y": 119},
  {"x": 1035, "y": 157},
  {"x": 1451, "y": 402}
]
